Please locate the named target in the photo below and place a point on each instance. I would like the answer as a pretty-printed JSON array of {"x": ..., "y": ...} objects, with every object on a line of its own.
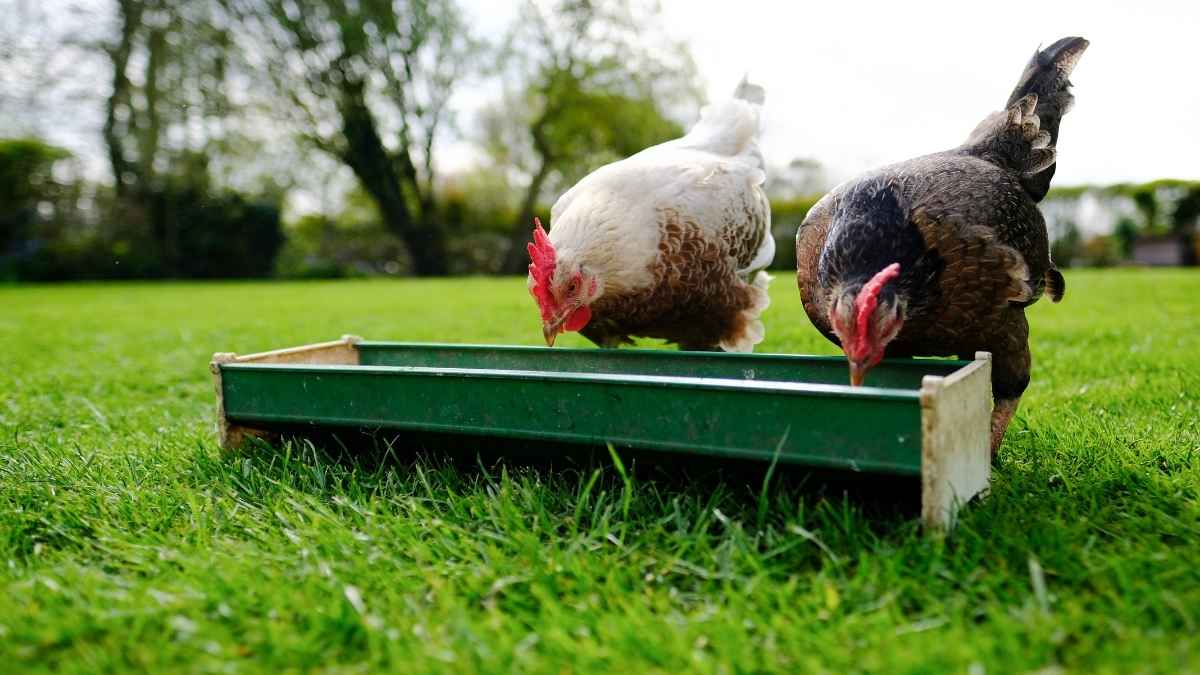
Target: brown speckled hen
[{"x": 940, "y": 255}]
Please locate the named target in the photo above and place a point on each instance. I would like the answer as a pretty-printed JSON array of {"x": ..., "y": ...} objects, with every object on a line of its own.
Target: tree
[
  {"x": 1185, "y": 221},
  {"x": 168, "y": 99},
  {"x": 369, "y": 83},
  {"x": 1146, "y": 200},
  {"x": 1186, "y": 215},
  {"x": 589, "y": 83},
  {"x": 26, "y": 182},
  {"x": 168, "y": 113},
  {"x": 1065, "y": 248},
  {"x": 1125, "y": 233}
]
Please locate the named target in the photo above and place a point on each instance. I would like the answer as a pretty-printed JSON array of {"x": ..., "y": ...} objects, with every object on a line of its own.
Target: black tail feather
[
  {"x": 1046, "y": 76},
  {"x": 1056, "y": 285}
]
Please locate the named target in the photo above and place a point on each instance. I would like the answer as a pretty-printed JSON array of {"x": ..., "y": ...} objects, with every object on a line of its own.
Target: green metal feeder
[{"x": 926, "y": 418}]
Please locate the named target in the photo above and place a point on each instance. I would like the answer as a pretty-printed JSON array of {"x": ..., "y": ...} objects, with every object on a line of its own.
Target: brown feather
[{"x": 697, "y": 297}]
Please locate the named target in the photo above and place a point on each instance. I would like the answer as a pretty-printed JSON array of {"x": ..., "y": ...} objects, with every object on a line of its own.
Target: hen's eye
[{"x": 574, "y": 286}]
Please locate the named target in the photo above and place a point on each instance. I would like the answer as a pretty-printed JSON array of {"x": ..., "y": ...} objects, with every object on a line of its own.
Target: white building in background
[
  {"x": 1093, "y": 213},
  {"x": 1162, "y": 251},
  {"x": 1085, "y": 215}
]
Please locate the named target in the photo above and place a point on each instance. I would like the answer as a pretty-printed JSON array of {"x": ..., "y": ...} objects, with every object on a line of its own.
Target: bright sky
[{"x": 855, "y": 84}]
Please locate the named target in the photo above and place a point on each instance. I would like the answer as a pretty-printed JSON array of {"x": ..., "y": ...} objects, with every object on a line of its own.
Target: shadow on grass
[{"x": 747, "y": 490}]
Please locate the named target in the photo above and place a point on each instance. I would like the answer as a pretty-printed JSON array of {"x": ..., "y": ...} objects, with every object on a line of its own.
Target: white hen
[{"x": 669, "y": 243}]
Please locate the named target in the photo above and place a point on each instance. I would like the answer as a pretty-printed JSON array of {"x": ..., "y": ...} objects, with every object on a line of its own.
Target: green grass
[{"x": 127, "y": 541}]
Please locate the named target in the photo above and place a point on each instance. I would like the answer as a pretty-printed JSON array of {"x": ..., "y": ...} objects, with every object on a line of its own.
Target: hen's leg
[
  {"x": 602, "y": 336},
  {"x": 1011, "y": 363},
  {"x": 1002, "y": 414},
  {"x": 700, "y": 348}
]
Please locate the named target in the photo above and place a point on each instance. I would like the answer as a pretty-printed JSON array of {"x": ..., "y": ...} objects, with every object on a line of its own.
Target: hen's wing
[
  {"x": 963, "y": 202},
  {"x": 725, "y": 198},
  {"x": 728, "y": 200}
]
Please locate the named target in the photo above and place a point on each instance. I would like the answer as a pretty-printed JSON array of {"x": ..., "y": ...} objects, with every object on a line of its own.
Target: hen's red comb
[
  {"x": 866, "y": 302},
  {"x": 541, "y": 269}
]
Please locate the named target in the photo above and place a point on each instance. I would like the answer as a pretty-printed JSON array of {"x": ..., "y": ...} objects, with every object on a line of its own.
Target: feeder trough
[{"x": 921, "y": 418}]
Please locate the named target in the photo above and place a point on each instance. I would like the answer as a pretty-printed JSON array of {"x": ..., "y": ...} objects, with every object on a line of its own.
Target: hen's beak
[
  {"x": 551, "y": 329},
  {"x": 858, "y": 373}
]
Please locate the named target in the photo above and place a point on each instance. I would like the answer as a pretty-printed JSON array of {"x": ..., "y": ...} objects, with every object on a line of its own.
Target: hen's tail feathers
[
  {"x": 747, "y": 91},
  {"x": 1056, "y": 285},
  {"x": 1046, "y": 76},
  {"x": 1024, "y": 135},
  {"x": 729, "y": 127},
  {"x": 751, "y": 330}
]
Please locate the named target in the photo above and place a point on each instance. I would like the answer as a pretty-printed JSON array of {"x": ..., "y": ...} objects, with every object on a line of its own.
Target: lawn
[{"x": 128, "y": 542}]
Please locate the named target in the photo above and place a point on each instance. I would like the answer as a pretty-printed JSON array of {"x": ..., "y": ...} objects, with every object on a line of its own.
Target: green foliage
[
  {"x": 580, "y": 128},
  {"x": 1100, "y": 251},
  {"x": 475, "y": 212},
  {"x": 1186, "y": 215},
  {"x": 1066, "y": 248},
  {"x": 319, "y": 247},
  {"x": 219, "y": 236},
  {"x": 1070, "y": 192},
  {"x": 1147, "y": 205},
  {"x": 180, "y": 233},
  {"x": 593, "y": 83},
  {"x": 1185, "y": 222},
  {"x": 786, "y": 216},
  {"x": 25, "y": 165},
  {"x": 1125, "y": 233},
  {"x": 130, "y": 544},
  {"x": 1121, "y": 189},
  {"x": 25, "y": 181},
  {"x": 593, "y": 127}
]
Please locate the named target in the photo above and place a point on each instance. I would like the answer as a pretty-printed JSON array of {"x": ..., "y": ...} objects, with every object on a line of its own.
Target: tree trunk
[
  {"x": 366, "y": 155},
  {"x": 516, "y": 261},
  {"x": 123, "y": 169},
  {"x": 427, "y": 246},
  {"x": 148, "y": 140}
]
